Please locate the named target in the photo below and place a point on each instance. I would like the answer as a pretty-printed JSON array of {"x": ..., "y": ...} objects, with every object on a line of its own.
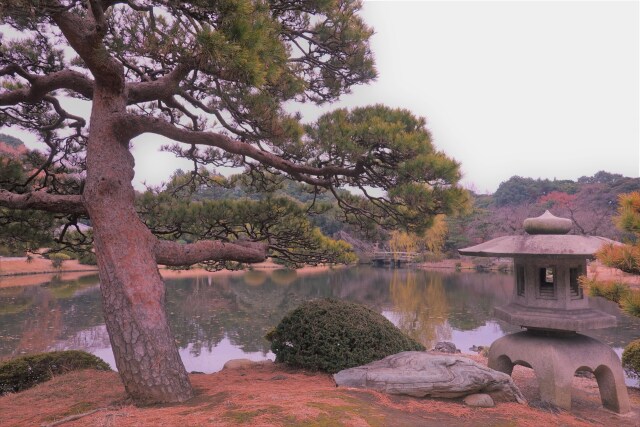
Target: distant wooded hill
[
  {"x": 590, "y": 202},
  {"x": 10, "y": 146},
  {"x": 11, "y": 141}
]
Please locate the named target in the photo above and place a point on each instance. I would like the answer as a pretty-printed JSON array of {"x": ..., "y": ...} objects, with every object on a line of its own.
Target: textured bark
[
  {"x": 133, "y": 294},
  {"x": 43, "y": 201},
  {"x": 41, "y": 85},
  {"x": 133, "y": 291},
  {"x": 176, "y": 254}
]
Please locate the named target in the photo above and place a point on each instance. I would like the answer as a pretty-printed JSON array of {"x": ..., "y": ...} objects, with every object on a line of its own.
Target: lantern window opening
[
  {"x": 547, "y": 286},
  {"x": 575, "y": 290},
  {"x": 520, "y": 280}
]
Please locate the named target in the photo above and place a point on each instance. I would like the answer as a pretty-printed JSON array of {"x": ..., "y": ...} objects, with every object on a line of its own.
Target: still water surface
[{"x": 222, "y": 317}]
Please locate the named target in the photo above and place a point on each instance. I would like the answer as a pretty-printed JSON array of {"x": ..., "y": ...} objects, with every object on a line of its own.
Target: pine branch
[
  {"x": 43, "y": 201},
  {"x": 41, "y": 85},
  {"x": 177, "y": 254},
  {"x": 137, "y": 125}
]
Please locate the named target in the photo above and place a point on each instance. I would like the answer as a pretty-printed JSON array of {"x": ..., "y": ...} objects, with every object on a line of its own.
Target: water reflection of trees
[
  {"x": 421, "y": 306},
  {"x": 204, "y": 310},
  {"x": 472, "y": 297},
  {"x": 34, "y": 318}
]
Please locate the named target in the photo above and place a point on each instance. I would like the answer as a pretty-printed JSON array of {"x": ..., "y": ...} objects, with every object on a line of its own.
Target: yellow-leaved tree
[{"x": 431, "y": 241}]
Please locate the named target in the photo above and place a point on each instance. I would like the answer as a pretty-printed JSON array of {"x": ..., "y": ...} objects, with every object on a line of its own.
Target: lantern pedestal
[{"x": 555, "y": 357}]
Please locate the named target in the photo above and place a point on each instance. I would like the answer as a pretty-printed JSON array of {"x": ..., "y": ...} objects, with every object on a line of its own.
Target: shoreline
[{"x": 18, "y": 272}]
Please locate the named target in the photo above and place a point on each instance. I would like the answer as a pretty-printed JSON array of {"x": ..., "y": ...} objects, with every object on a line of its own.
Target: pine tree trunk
[{"x": 133, "y": 292}]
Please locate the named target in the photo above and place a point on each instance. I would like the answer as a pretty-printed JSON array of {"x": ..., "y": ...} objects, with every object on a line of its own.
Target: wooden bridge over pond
[{"x": 393, "y": 259}]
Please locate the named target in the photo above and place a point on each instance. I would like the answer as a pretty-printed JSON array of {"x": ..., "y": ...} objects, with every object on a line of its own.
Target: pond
[{"x": 225, "y": 316}]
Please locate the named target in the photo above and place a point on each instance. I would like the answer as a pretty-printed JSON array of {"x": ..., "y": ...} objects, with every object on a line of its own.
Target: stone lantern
[{"x": 549, "y": 303}]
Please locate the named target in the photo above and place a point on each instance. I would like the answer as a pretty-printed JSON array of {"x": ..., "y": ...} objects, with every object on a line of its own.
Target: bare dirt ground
[{"x": 273, "y": 395}]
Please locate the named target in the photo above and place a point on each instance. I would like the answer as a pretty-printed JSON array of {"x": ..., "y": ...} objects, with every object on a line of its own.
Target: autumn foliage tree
[
  {"x": 625, "y": 257},
  {"x": 213, "y": 77}
]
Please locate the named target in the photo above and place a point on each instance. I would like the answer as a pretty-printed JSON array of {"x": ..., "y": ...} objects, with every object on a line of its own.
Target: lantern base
[{"x": 555, "y": 359}]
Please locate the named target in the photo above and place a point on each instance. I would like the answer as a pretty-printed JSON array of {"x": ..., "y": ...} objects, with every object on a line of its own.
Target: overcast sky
[
  {"x": 541, "y": 89},
  {"x": 537, "y": 89}
]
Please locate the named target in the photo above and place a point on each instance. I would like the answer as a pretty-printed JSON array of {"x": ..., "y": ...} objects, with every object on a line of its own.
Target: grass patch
[
  {"x": 209, "y": 402},
  {"x": 75, "y": 409},
  {"x": 79, "y": 408},
  {"x": 345, "y": 412},
  {"x": 242, "y": 417},
  {"x": 245, "y": 417}
]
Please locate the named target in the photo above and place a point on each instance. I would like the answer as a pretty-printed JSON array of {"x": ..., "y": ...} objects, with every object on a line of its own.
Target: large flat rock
[{"x": 422, "y": 374}]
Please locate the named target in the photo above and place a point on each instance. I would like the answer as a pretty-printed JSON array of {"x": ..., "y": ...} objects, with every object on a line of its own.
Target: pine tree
[{"x": 212, "y": 76}]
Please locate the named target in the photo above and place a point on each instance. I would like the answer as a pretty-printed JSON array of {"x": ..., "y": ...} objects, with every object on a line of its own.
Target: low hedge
[
  {"x": 27, "y": 371},
  {"x": 331, "y": 335}
]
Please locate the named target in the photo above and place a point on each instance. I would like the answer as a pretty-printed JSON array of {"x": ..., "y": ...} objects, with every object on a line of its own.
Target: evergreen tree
[{"x": 213, "y": 77}]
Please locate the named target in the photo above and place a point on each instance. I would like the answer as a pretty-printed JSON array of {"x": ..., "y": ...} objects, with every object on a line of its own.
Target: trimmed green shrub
[
  {"x": 58, "y": 258},
  {"x": 330, "y": 335},
  {"x": 631, "y": 358},
  {"x": 88, "y": 258},
  {"x": 27, "y": 371}
]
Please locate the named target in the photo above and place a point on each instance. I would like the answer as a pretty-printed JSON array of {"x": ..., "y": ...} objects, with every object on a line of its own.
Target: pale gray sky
[
  {"x": 542, "y": 89},
  {"x": 538, "y": 89}
]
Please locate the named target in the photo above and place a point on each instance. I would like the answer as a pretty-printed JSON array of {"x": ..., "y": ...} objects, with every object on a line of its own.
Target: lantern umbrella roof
[
  {"x": 546, "y": 236},
  {"x": 539, "y": 245}
]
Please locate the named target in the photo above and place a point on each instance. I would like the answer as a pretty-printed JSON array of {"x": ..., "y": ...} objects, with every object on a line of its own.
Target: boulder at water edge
[{"x": 422, "y": 374}]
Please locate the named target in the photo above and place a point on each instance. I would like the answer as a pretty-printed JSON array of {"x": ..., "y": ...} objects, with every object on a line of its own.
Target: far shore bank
[
  {"x": 17, "y": 271},
  {"x": 595, "y": 269}
]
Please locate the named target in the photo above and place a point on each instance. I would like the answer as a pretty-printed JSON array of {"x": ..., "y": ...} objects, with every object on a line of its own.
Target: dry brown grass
[{"x": 272, "y": 395}]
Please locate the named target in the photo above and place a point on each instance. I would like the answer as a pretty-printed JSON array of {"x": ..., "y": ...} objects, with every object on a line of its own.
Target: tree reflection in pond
[
  {"x": 420, "y": 307},
  {"x": 37, "y": 318},
  {"x": 215, "y": 318}
]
